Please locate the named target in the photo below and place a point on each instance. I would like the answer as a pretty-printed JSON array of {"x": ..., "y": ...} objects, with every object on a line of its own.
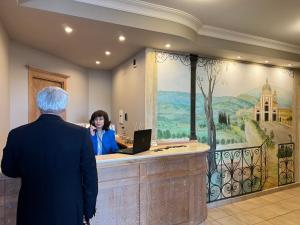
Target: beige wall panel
[
  {"x": 100, "y": 83},
  {"x": 128, "y": 93},
  {"x": 4, "y": 87}
]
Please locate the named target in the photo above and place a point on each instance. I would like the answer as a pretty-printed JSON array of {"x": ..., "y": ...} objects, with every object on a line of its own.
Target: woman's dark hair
[{"x": 103, "y": 114}]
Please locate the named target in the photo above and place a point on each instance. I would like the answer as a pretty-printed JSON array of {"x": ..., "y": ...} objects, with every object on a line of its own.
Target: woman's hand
[{"x": 93, "y": 130}]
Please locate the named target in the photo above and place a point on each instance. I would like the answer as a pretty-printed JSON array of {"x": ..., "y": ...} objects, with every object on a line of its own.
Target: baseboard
[{"x": 248, "y": 196}]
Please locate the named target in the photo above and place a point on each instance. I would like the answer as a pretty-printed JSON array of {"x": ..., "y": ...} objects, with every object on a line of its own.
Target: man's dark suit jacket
[{"x": 57, "y": 167}]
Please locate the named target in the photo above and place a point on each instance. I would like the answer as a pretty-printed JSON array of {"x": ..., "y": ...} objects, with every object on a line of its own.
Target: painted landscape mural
[{"x": 250, "y": 104}]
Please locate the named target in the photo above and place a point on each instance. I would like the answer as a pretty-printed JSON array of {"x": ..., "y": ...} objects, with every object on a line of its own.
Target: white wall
[
  {"x": 128, "y": 93},
  {"x": 4, "y": 87},
  {"x": 100, "y": 83},
  {"x": 77, "y": 84}
]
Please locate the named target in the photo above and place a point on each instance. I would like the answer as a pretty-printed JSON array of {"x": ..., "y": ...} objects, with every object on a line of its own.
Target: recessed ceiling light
[
  {"x": 107, "y": 53},
  {"x": 266, "y": 61},
  {"x": 98, "y": 62},
  {"x": 168, "y": 46},
  {"x": 122, "y": 38},
  {"x": 239, "y": 57},
  {"x": 68, "y": 29}
]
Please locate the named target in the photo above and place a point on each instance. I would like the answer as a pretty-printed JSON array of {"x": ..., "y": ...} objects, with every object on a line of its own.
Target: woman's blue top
[{"x": 109, "y": 144}]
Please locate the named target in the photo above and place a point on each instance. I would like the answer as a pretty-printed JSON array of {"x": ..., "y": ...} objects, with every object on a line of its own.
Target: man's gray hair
[{"x": 52, "y": 100}]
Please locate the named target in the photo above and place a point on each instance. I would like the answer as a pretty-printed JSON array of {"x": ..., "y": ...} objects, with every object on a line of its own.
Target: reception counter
[{"x": 162, "y": 186}]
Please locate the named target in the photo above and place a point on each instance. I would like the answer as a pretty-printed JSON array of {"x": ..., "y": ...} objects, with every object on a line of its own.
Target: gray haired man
[{"x": 56, "y": 164}]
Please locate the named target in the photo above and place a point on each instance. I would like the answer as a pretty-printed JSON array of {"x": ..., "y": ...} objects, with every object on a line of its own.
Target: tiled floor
[{"x": 280, "y": 208}]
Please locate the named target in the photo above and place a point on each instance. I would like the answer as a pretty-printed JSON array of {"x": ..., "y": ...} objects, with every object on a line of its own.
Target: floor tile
[
  {"x": 265, "y": 223},
  {"x": 232, "y": 209},
  {"x": 230, "y": 220},
  {"x": 216, "y": 213},
  {"x": 279, "y": 208},
  {"x": 248, "y": 218},
  {"x": 211, "y": 222}
]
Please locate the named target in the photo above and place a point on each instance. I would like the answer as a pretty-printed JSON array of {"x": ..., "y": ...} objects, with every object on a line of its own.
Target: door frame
[{"x": 34, "y": 72}]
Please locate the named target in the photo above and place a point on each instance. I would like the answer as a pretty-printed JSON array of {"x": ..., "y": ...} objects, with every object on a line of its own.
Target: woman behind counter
[{"x": 102, "y": 137}]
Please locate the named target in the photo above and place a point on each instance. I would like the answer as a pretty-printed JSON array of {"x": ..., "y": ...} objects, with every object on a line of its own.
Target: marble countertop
[{"x": 165, "y": 150}]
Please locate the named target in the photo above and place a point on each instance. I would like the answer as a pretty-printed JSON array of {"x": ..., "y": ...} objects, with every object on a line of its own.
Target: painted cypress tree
[{"x": 206, "y": 82}]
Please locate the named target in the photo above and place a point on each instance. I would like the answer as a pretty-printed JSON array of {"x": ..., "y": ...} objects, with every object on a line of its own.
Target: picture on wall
[
  {"x": 251, "y": 109},
  {"x": 173, "y": 99},
  {"x": 238, "y": 105},
  {"x": 249, "y": 102}
]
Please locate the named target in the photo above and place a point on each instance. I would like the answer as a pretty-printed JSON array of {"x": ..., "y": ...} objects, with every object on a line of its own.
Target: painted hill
[{"x": 173, "y": 104}]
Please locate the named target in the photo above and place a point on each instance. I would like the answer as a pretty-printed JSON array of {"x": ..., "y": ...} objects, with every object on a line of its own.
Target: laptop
[{"x": 141, "y": 142}]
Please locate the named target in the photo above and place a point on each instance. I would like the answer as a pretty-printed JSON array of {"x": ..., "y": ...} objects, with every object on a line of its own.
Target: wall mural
[
  {"x": 238, "y": 105},
  {"x": 173, "y": 97}
]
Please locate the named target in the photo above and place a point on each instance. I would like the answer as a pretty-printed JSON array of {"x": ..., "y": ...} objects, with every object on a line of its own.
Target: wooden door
[{"x": 37, "y": 80}]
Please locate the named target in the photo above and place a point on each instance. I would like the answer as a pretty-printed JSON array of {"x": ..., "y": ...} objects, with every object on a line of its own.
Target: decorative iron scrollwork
[
  {"x": 286, "y": 173},
  {"x": 237, "y": 172},
  {"x": 161, "y": 56}
]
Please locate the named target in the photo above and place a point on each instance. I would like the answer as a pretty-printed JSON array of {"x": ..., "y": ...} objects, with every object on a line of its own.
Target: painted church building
[{"x": 266, "y": 109}]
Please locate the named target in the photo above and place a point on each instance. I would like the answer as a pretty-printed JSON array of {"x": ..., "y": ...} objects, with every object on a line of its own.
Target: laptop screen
[{"x": 142, "y": 140}]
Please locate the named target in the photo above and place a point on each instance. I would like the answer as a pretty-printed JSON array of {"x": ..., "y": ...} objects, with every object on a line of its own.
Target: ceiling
[
  {"x": 250, "y": 29},
  {"x": 274, "y": 19}
]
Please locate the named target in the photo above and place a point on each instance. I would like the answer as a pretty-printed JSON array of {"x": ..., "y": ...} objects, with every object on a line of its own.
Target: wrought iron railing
[
  {"x": 236, "y": 172},
  {"x": 286, "y": 173}
]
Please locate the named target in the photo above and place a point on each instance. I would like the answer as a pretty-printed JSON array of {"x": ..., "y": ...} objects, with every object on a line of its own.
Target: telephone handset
[{"x": 93, "y": 124}]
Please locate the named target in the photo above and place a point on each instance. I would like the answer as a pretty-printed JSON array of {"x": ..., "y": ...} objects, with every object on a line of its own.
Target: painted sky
[
  {"x": 235, "y": 79},
  {"x": 239, "y": 78},
  {"x": 173, "y": 76}
]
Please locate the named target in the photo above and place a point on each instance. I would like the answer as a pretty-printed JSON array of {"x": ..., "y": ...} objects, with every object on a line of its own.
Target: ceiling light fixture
[
  {"x": 122, "y": 38},
  {"x": 239, "y": 57},
  {"x": 266, "y": 61},
  {"x": 107, "y": 53},
  {"x": 68, "y": 29},
  {"x": 98, "y": 62},
  {"x": 168, "y": 45},
  {"x": 289, "y": 64}
]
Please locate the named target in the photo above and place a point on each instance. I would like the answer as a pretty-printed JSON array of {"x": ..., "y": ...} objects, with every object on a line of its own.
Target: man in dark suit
[{"x": 56, "y": 164}]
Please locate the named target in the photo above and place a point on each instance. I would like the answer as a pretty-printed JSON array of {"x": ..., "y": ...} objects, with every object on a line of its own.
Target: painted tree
[
  {"x": 223, "y": 119},
  {"x": 207, "y": 78}
]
